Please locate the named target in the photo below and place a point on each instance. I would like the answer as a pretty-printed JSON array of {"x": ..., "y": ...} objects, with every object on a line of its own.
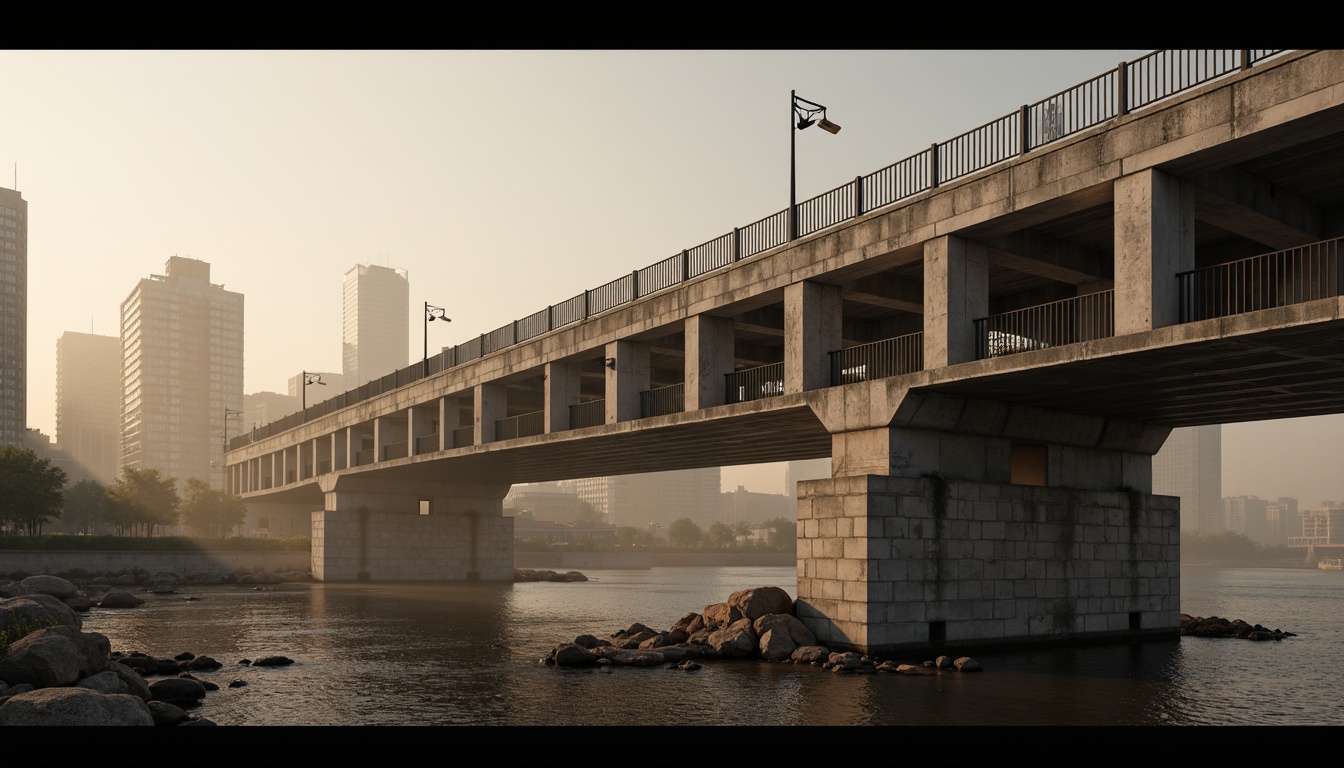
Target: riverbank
[{"x": 640, "y": 559}]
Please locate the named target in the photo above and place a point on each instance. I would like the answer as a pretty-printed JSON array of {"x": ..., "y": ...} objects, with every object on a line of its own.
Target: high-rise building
[
  {"x": 88, "y": 404},
  {"x": 652, "y": 498},
  {"x": 182, "y": 368},
  {"x": 377, "y": 325},
  {"x": 13, "y": 317},
  {"x": 1190, "y": 465}
]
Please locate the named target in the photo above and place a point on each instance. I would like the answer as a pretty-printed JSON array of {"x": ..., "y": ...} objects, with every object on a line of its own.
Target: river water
[{"x": 389, "y": 654}]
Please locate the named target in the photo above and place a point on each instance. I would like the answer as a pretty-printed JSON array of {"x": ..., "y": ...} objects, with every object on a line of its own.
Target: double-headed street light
[
  {"x": 431, "y": 313},
  {"x": 802, "y": 114},
  {"x": 310, "y": 378},
  {"x": 227, "y": 413}
]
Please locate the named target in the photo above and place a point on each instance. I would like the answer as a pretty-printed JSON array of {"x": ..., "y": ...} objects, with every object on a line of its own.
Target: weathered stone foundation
[{"x": 892, "y": 564}]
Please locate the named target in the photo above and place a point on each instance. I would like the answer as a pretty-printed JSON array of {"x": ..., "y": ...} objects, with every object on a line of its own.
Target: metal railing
[
  {"x": 522, "y": 425},
  {"x": 1130, "y": 86},
  {"x": 463, "y": 437},
  {"x": 755, "y": 383},
  {"x": 1291, "y": 276},
  {"x": 662, "y": 401},
  {"x": 878, "y": 360},
  {"x": 589, "y": 414},
  {"x": 1068, "y": 321}
]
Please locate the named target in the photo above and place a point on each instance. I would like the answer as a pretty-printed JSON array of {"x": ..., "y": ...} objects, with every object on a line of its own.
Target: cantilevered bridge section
[{"x": 989, "y": 339}]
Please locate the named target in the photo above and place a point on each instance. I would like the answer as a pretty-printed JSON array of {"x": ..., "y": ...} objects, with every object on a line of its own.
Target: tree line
[
  {"x": 141, "y": 502},
  {"x": 684, "y": 533}
]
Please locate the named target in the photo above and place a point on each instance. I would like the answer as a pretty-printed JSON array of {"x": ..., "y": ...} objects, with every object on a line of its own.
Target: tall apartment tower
[
  {"x": 13, "y": 317},
  {"x": 88, "y": 404},
  {"x": 377, "y": 326},
  {"x": 182, "y": 367},
  {"x": 653, "y": 498},
  {"x": 1190, "y": 465}
]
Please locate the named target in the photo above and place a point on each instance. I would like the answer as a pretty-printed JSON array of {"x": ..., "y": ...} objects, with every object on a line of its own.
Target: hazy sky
[{"x": 503, "y": 181}]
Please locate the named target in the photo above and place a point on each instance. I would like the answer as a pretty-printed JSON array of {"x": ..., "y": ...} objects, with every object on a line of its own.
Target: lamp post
[
  {"x": 802, "y": 114},
  {"x": 227, "y": 413},
  {"x": 310, "y": 378},
  {"x": 431, "y": 313}
]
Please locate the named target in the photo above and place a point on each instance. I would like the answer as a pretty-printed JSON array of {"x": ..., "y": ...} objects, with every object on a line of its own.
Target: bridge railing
[
  {"x": 1068, "y": 321},
  {"x": 878, "y": 360},
  {"x": 463, "y": 436},
  {"x": 589, "y": 414},
  {"x": 755, "y": 383},
  {"x": 1291, "y": 276},
  {"x": 1130, "y": 86},
  {"x": 522, "y": 425},
  {"x": 662, "y": 400}
]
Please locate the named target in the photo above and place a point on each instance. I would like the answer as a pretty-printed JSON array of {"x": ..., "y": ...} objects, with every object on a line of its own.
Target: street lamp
[
  {"x": 802, "y": 114},
  {"x": 310, "y": 378},
  {"x": 431, "y": 313},
  {"x": 227, "y": 413}
]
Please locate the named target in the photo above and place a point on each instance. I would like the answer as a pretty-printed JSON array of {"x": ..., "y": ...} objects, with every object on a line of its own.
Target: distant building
[
  {"x": 1190, "y": 465},
  {"x": 261, "y": 408},
  {"x": 88, "y": 405},
  {"x": 182, "y": 367},
  {"x": 1320, "y": 527},
  {"x": 654, "y": 498},
  {"x": 809, "y": 469},
  {"x": 376, "y": 323},
  {"x": 1249, "y": 516},
  {"x": 327, "y": 384},
  {"x": 743, "y": 506},
  {"x": 551, "y": 532},
  {"x": 546, "y": 501},
  {"x": 13, "y": 317}
]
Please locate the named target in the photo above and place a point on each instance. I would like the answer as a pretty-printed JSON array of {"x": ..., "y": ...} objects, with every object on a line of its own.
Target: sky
[{"x": 503, "y": 181}]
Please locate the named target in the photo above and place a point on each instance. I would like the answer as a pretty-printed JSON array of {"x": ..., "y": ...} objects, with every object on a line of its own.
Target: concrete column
[
  {"x": 420, "y": 422},
  {"x": 956, "y": 294},
  {"x": 709, "y": 357},
  {"x": 813, "y": 319},
  {"x": 450, "y": 417},
  {"x": 340, "y": 449},
  {"x": 630, "y": 377},
  {"x": 561, "y": 391},
  {"x": 492, "y": 404},
  {"x": 1154, "y": 239}
]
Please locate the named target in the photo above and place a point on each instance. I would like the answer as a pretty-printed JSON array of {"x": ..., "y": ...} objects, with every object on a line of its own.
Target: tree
[
  {"x": 142, "y": 500},
  {"x": 211, "y": 512},
  {"x": 722, "y": 535},
  {"x": 32, "y": 490},
  {"x": 683, "y": 532},
  {"x": 783, "y": 533},
  {"x": 630, "y": 536},
  {"x": 85, "y": 505}
]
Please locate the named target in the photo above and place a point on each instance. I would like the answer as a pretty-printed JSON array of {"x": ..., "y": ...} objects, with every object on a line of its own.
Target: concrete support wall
[
  {"x": 375, "y": 531},
  {"x": 492, "y": 404},
  {"x": 709, "y": 357},
  {"x": 561, "y": 391},
  {"x": 885, "y": 566},
  {"x": 1154, "y": 240},
  {"x": 813, "y": 319},
  {"x": 450, "y": 418},
  {"x": 421, "y": 423},
  {"x": 630, "y": 377},
  {"x": 956, "y": 294}
]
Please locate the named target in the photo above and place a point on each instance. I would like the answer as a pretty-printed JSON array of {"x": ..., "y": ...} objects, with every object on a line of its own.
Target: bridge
[{"x": 990, "y": 340}]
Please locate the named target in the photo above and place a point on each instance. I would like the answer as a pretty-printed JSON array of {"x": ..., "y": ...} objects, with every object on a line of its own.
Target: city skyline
[{"x": 502, "y": 181}]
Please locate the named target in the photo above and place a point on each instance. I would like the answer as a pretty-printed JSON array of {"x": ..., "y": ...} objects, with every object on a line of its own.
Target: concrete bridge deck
[{"x": 1026, "y": 336}]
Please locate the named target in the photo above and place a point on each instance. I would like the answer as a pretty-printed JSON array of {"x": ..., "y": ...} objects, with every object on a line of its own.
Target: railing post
[
  {"x": 933, "y": 166},
  {"x": 737, "y": 244},
  {"x": 858, "y": 196},
  {"x": 515, "y": 333},
  {"x": 634, "y": 285},
  {"x": 1122, "y": 89},
  {"x": 550, "y": 317},
  {"x": 585, "y": 304},
  {"x": 1024, "y": 126},
  {"x": 685, "y": 265},
  {"x": 1245, "y": 59}
]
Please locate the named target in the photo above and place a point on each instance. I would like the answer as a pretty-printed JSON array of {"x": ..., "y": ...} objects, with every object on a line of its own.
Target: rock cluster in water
[
  {"x": 1213, "y": 626},
  {"x": 527, "y": 574},
  {"x": 757, "y": 623},
  {"x": 54, "y": 673}
]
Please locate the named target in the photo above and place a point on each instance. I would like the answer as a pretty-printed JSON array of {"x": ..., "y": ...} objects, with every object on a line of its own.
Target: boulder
[
  {"x": 719, "y": 615},
  {"x": 780, "y": 634},
  {"x": 759, "y": 601},
  {"x": 74, "y": 706},
  {"x": 119, "y": 598},
  {"x": 181, "y": 691},
  {"x": 810, "y": 654},
  {"x": 57, "y": 656},
  {"x": 627, "y": 658},
  {"x": 26, "y": 613},
  {"x": 167, "y": 714},
  {"x": 50, "y": 585},
  {"x": 737, "y": 640},
  {"x": 571, "y": 655},
  {"x": 967, "y": 664}
]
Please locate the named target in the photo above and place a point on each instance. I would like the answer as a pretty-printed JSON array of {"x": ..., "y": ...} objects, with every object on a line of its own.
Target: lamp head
[{"x": 828, "y": 126}]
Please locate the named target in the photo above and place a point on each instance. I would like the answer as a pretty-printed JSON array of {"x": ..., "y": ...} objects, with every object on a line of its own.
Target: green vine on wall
[{"x": 938, "y": 506}]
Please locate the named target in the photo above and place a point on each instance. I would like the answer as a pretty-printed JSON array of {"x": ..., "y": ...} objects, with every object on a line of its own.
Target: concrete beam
[
  {"x": 1037, "y": 254},
  {"x": 813, "y": 315},
  {"x": 887, "y": 292},
  {"x": 1238, "y": 202},
  {"x": 956, "y": 293}
]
